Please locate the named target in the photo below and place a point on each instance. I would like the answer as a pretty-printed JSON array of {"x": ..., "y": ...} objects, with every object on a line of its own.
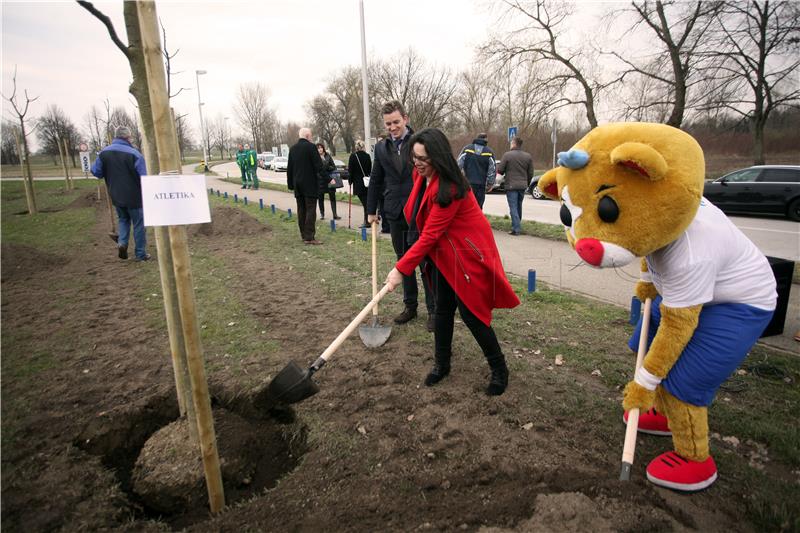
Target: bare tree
[
  {"x": 682, "y": 30},
  {"x": 219, "y": 135},
  {"x": 324, "y": 124},
  {"x": 346, "y": 90},
  {"x": 20, "y": 111},
  {"x": 8, "y": 146},
  {"x": 184, "y": 132},
  {"x": 52, "y": 128},
  {"x": 535, "y": 41},
  {"x": 250, "y": 107},
  {"x": 759, "y": 42},
  {"x": 479, "y": 100}
]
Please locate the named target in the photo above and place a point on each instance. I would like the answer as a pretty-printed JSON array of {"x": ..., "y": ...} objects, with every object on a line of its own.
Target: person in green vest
[
  {"x": 251, "y": 166},
  {"x": 241, "y": 160}
]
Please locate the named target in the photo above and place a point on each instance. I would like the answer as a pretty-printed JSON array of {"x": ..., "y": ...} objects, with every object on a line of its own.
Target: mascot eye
[
  {"x": 566, "y": 216},
  {"x": 607, "y": 209}
]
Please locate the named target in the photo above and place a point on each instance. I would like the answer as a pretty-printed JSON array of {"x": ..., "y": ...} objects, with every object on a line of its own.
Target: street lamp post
[
  {"x": 228, "y": 142},
  {"x": 364, "y": 83},
  {"x": 197, "y": 74}
]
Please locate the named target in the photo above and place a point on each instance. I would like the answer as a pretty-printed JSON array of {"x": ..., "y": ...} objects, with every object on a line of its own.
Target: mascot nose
[{"x": 590, "y": 250}]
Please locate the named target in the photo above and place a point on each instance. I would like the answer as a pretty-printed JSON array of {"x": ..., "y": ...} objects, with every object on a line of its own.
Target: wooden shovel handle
[
  {"x": 375, "y": 264},
  {"x": 353, "y": 325},
  {"x": 629, "y": 446}
]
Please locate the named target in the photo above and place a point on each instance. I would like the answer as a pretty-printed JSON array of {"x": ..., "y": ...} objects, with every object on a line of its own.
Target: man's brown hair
[{"x": 390, "y": 107}]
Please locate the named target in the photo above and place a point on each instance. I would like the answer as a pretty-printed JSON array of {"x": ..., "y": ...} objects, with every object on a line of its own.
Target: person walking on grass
[
  {"x": 303, "y": 176},
  {"x": 328, "y": 167},
  {"x": 122, "y": 167},
  {"x": 518, "y": 168},
  {"x": 241, "y": 162},
  {"x": 358, "y": 167},
  {"x": 451, "y": 239},
  {"x": 391, "y": 179},
  {"x": 251, "y": 166},
  {"x": 477, "y": 163}
]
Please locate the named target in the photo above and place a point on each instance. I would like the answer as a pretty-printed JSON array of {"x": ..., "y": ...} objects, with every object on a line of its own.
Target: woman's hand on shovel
[{"x": 394, "y": 279}]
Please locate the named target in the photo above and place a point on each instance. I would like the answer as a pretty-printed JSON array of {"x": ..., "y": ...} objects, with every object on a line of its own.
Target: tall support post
[
  {"x": 364, "y": 82},
  {"x": 63, "y": 158},
  {"x": 27, "y": 177},
  {"x": 169, "y": 159},
  {"x": 70, "y": 185}
]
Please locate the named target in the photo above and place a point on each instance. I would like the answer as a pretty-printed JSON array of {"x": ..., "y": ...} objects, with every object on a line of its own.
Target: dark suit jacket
[
  {"x": 391, "y": 176},
  {"x": 304, "y": 169}
]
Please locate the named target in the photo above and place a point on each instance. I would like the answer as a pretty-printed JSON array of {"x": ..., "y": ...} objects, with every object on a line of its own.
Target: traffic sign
[
  {"x": 512, "y": 132},
  {"x": 83, "y": 147},
  {"x": 86, "y": 161}
]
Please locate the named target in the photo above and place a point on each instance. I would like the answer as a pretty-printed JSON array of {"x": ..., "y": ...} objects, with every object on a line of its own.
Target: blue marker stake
[
  {"x": 289, "y": 211},
  {"x": 363, "y": 234},
  {"x": 217, "y": 192},
  {"x": 531, "y": 280},
  {"x": 226, "y": 195},
  {"x": 235, "y": 198},
  {"x": 272, "y": 206},
  {"x": 261, "y": 203},
  {"x": 636, "y": 310},
  {"x": 245, "y": 200},
  {"x": 333, "y": 225}
]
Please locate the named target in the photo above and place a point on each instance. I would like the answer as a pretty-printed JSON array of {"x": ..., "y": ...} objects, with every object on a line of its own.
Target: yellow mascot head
[{"x": 627, "y": 189}]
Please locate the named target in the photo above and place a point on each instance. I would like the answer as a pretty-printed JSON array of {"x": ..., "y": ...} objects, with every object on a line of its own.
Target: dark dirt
[{"x": 377, "y": 451}]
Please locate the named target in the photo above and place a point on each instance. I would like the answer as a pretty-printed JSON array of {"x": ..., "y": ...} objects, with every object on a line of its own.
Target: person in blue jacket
[{"x": 122, "y": 166}]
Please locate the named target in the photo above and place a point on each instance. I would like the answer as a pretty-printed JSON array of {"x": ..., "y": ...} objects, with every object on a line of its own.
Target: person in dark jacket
[
  {"x": 391, "y": 173},
  {"x": 122, "y": 166},
  {"x": 328, "y": 166},
  {"x": 449, "y": 234},
  {"x": 518, "y": 168},
  {"x": 358, "y": 166},
  {"x": 477, "y": 163},
  {"x": 303, "y": 176}
]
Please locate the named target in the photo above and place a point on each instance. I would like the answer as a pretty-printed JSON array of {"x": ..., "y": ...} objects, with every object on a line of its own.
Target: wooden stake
[
  {"x": 63, "y": 163},
  {"x": 27, "y": 179},
  {"x": 169, "y": 159},
  {"x": 70, "y": 185}
]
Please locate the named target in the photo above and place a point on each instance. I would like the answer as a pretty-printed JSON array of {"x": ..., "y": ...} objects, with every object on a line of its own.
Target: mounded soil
[{"x": 373, "y": 451}]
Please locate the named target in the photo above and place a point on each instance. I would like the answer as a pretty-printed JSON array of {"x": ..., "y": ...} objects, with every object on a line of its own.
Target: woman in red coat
[{"x": 450, "y": 236}]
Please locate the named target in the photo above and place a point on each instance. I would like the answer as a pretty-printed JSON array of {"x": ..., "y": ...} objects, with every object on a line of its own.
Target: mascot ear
[
  {"x": 641, "y": 158},
  {"x": 548, "y": 184}
]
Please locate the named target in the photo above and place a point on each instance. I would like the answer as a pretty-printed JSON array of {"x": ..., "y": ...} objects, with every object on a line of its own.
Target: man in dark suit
[
  {"x": 303, "y": 175},
  {"x": 391, "y": 174}
]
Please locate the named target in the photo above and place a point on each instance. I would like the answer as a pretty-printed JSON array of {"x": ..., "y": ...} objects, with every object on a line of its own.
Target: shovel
[
  {"x": 293, "y": 384},
  {"x": 374, "y": 335},
  {"x": 633, "y": 415},
  {"x": 113, "y": 233}
]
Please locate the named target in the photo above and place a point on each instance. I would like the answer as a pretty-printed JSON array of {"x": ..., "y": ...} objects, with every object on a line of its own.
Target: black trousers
[
  {"x": 332, "y": 194},
  {"x": 399, "y": 230},
  {"x": 307, "y": 217},
  {"x": 444, "y": 318},
  {"x": 363, "y": 199}
]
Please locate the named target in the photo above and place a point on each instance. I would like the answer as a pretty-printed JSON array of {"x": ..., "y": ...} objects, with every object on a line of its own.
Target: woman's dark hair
[
  {"x": 451, "y": 180},
  {"x": 320, "y": 145}
]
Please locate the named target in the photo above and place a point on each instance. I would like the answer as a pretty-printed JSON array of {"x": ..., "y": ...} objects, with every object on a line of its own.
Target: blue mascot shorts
[{"x": 724, "y": 336}]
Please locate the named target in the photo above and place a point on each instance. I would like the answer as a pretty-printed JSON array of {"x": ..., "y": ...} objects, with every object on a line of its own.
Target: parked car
[
  {"x": 533, "y": 188},
  {"x": 761, "y": 190},
  {"x": 279, "y": 164},
  {"x": 342, "y": 168},
  {"x": 265, "y": 160}
]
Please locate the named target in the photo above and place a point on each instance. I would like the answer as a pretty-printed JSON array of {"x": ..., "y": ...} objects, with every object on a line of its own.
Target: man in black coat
[
  {"x": 303, "y": 176},
  {"x": 391, "y": 174}
]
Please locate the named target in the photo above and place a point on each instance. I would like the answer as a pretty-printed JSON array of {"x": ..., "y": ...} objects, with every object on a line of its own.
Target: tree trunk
[
  {"x": 138, "y": 87},
  {"x": 758, "y": 141},
  {"x": 63, "y": 163},
  {"x": 27, "y": 176}
]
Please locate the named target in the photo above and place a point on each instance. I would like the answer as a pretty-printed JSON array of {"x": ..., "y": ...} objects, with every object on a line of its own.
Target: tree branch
[{"x": 102, "y": 17}]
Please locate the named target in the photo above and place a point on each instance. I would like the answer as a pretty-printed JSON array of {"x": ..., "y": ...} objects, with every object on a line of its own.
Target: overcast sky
[{"x": 64, "y": 55}]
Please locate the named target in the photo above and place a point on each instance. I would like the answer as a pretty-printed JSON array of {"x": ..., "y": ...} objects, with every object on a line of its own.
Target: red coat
[{"x": 459, "y": 241}]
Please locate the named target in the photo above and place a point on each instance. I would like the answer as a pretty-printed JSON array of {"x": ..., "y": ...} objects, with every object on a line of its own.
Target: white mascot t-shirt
[{"x": 713, "y": 262}]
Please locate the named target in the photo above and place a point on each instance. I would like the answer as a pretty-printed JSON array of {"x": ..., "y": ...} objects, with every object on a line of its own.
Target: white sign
[
  {"x": 175, "y": 200},
  {"x": 512, "y": 132},
  {"x": 285, "y": 150},
  {"x": 86, "y": 162}
]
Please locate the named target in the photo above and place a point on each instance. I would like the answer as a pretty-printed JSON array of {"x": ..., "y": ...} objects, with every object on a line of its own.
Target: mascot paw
[
  {"x": 645, "y": 290},
  {"x": 674, "y": 472},
  {"x": 637, "y": 397}
]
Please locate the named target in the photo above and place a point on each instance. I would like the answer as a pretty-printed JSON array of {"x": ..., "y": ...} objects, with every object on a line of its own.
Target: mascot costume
[{"x": 635, "y": 190}]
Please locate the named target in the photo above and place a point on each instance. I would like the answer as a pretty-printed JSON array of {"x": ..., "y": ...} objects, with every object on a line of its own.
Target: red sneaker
[
  {"x": 674, "y": 472},
  {"x": 652, "y": 422}
]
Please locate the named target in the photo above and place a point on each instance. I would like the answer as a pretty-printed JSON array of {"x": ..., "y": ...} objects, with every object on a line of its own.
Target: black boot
[
  {"x": 499, "y": 380},
  {"x": 440, "y": 370}
]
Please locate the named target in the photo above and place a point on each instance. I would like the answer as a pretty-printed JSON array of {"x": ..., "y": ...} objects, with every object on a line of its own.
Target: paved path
[{"x": 555, "y": 262}]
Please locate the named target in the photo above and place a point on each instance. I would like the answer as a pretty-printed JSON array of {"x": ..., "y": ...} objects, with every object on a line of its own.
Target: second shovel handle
[{"x": 632, "y": 427}]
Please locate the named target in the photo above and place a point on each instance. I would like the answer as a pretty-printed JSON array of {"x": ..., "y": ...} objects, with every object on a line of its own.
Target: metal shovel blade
[
  {"x": 374, "y": 335},
  {"x": 291, "y": 385}
]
